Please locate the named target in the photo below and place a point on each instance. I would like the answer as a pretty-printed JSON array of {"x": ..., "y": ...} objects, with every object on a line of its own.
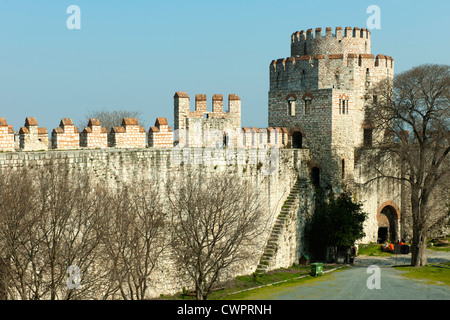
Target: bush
[{"x": 335, "y": 223}]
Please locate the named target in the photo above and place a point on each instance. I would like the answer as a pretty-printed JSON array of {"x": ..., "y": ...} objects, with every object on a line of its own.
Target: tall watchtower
[{"x": 319, "y": 93}]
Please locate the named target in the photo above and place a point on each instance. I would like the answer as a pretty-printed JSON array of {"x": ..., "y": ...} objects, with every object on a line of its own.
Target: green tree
[{"x": 336, "y": 223}]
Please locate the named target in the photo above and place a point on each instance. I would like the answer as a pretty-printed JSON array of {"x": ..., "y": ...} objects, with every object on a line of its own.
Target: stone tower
[
  {"x": 190, "y": 126},
  {"x": 319, "y": 93}
]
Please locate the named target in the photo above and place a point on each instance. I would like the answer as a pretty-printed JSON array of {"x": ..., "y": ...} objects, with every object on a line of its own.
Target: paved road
[{"x": 351, "y": 284}]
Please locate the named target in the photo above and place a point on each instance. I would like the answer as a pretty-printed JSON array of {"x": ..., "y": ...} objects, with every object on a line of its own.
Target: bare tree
[
  {"x": 50, "y": 221},
  {"x": 112, "y": 118},
  {"x": 215, "y": 222},
  {"x": 411, "y": 125},
  {"x": 17, "y": 216},
  {"x": 135, "y": 237}
]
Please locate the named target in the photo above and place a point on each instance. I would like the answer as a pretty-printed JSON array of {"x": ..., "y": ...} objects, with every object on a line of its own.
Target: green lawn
[
  {"x": 434, "y": 244},
  {"x": 272, "y": 280},
  {"x": 373, "y": 250},
  {"x": 235, "y": 289},
  {"x": 433, "y": 273}
]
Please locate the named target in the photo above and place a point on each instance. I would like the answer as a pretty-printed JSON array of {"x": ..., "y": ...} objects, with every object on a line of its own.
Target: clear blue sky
[{"x": 136, "y": 54}]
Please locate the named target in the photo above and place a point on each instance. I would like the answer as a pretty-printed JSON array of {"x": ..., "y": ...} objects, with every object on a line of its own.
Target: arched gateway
[{"x": 388, "y": 218}]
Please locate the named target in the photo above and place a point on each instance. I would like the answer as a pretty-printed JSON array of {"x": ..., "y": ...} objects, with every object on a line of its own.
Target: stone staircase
[{"x": 289, "y": 207}]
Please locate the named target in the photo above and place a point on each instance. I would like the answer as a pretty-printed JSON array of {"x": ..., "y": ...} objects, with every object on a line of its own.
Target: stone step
[
  {"x": 287, "y": 209},
  {"x": 279, "y": 224},
  {"x": 261, "y": 269},
  {"x": 264, "y": 263}
]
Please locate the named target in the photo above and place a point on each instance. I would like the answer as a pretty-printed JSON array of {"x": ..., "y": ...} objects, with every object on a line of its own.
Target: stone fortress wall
[
  {"x": 121, "y": 156},
  {"x": 116, "y": 166},
  {"x": 317, "y": 132}
]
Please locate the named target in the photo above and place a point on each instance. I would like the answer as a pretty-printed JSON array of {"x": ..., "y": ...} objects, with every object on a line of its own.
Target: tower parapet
[
  {"x": 354, "y": 40},
  {"x": 334, "y": 71}
]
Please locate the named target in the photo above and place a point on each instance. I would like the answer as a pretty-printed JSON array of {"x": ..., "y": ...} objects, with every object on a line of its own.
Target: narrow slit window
[
  {"x": 291, "y": 107},
  {"x": 368, "y": 137},
  {"x": 307, "y": 106}
]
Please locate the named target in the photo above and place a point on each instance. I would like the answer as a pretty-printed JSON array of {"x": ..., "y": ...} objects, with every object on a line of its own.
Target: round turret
[{"x": 356, "y": 40}]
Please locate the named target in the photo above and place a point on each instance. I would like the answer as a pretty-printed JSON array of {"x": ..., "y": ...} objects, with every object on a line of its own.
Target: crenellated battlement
[
  {"x": 182, "y": 103},
  {"x": 198, "y": 128},
  {"x": 200, "y": 119},
  {"x": 312, "y": 42},
  {"x": 313, "y": 61},
  {"x": 308, "y": 71},
  {"x": 339, "y": 33}
]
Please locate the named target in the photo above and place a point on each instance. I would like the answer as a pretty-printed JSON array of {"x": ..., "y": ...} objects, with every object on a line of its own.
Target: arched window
[{"x": 343, "y": 103}]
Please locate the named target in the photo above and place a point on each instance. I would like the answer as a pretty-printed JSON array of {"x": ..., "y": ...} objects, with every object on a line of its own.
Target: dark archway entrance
[
  {"x": 315, "y": 176},
  {"x": 383, "y": 234},
  {"x": 388, "y": 218},
  {"x": 297, "y": 140}
]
